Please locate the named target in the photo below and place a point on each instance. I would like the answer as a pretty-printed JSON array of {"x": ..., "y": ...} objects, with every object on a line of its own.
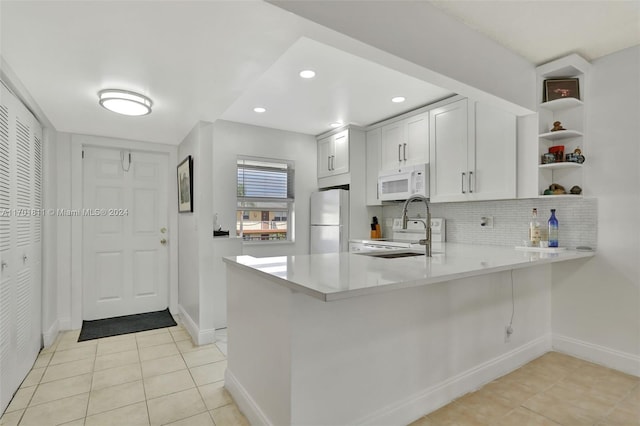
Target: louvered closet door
[
  {"x": 20, "y": 243},
  {"x": 7, "y": 239}
]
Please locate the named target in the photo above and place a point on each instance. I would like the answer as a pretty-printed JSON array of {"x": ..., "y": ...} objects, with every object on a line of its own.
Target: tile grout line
[
  {"x": 194, "y": 382},
  {"x": 93, "y": 370},
  {"x": 620, "y": 401},
  {"x": 144, "y": 388},
  {"x": 539, "y": 414}
]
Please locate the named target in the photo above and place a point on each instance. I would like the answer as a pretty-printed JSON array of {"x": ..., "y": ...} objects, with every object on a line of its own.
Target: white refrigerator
[{"x": 329, "y": 221}]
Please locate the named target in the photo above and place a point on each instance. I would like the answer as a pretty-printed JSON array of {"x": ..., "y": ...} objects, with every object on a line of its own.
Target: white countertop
[{"x": 340, "y": 275}]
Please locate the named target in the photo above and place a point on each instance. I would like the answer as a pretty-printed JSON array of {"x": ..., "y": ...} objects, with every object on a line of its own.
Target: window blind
[{"x": 264, "y": 181}]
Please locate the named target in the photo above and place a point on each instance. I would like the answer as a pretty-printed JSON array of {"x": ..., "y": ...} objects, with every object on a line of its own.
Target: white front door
[{"x": 125, "y": 237}]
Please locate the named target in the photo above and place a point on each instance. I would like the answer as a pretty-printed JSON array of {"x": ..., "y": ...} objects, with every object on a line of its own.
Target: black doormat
[{"x": 126, "y": 324}]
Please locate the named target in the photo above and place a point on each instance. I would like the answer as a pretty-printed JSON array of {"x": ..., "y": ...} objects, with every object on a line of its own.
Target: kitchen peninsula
[{"x": 353, "y": 339}]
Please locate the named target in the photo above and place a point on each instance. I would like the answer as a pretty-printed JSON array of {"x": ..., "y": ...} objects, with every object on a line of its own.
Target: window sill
[{"x": 267, "y": 243}]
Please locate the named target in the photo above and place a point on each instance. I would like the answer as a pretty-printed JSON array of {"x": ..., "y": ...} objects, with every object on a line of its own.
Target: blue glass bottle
[{"x": 553, "y": 229}]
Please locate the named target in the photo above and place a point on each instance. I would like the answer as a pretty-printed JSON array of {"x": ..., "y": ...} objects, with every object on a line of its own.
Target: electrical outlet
[
  {"x": 508, "y": 331},
  {"x": 486, "y": 222}
]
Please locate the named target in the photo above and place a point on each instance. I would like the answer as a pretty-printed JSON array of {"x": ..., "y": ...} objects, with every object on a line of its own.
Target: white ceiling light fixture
[
  {"x": 398, "y": 99},
  {"x": 125, "y": 102},
  {"x": 307, "y": 74},
  {"x": 259, "y": 110}
]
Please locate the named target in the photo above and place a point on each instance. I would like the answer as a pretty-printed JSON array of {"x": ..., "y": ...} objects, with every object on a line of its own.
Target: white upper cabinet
[
  {"x": 373, "y": 165},
  {"x": 473, "y": 152},
  {"x": 325, "y": 151},
  {"x": 449, "y": 171},
  {"x": 494, "y": 162},
  {"x": 333, "y": 155},
  {"x": 405, "y": 142},
  {"x": 340, "y": 163}
]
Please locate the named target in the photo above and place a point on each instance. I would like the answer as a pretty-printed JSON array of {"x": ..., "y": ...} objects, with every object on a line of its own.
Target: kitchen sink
[{"x": 396, "y": 254}]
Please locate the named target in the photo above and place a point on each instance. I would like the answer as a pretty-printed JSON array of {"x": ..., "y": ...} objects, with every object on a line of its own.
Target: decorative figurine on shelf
[
  {"x": 557, "y": 189},
  {"x": 557, "y": 126},
  {"x": 575, "y": 157},
  {"x": 576, "y": 190}
]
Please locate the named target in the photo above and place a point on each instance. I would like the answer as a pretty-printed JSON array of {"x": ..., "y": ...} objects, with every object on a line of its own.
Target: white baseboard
[
  {"x": 621, "y": 361},
  {"x": 243, "y": 400},
  {"x": 64, "y": 324},
  {"x": 428, "y": 400},
  {"x": 199, "y": 337},
  {"x": 206, "y": 336},
  {"x": 188, "y": 323},
  {"x": 49, "y": 336}
]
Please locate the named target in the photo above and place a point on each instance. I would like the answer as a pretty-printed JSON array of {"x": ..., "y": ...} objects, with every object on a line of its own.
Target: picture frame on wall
[
  {"x": 185, "y": 185},
  {"x": 560, "y": 88}
]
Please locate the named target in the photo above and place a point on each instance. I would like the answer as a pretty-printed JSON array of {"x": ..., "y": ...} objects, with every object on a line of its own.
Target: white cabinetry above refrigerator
[{"x": 333, "y": 154}]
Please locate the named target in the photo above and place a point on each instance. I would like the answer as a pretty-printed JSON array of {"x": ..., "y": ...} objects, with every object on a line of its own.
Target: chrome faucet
[{"x": 427, "y": 241}]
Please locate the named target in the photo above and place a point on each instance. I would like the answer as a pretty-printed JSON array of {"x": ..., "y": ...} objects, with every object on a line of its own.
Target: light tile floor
[
  {"x": 159, "y": 377},
  {"x": 155, "y": 377},
  {"x": 552, "y": 390}
]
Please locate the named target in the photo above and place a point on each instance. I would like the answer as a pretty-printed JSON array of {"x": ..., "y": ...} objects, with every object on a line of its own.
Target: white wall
[
  {"x": 596, "y": 306},
  {"x": 50, "y": 324},
  {"x": 63, "y": 246},
  {"x": 233, "y": 139},
  {"x": 188, "y": 247}
]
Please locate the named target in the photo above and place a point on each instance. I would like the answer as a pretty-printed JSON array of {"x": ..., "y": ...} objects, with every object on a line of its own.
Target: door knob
[
  {"x": 163, "y": 241},
  {"x": 24, "y": 258},
  {"x": 163, "y": 230}
]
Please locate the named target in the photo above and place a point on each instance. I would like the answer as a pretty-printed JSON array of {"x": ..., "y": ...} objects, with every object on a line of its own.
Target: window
[{"x": 265, "y": 199}]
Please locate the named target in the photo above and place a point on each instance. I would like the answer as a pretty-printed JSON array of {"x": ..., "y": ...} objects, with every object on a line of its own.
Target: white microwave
[{"x": 403, "y": 182}]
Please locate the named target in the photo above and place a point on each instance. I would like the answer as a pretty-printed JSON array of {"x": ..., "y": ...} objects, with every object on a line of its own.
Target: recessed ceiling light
[
  {"x": 124, "y": 102},
  {"x": 336, "y": 124},
  {"x": 307, "y": 74},
  {"x": 259, "y": 110},
  {"x": 398, "y": 99}
]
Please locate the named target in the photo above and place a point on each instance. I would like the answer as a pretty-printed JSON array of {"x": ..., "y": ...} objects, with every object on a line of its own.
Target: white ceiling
[
  {"x": 346, "y": 88},
  {"x": 193, "y": 59},
  {"x": 206, "y": 60},
  {"x": 541, "y": 31}
]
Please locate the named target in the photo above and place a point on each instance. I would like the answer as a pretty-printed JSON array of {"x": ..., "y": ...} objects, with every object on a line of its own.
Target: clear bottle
[
  {"x": 553, "y": 229},
  {"x": 534, "y": 229}
]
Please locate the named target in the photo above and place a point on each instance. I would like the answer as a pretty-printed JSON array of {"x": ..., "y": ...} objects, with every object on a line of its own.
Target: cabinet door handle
[
  {"x": 333, "y": 162},
  {"x": 4, "y": 266},
  {"x": 470, "y": 186},
  {"x": 399, "y": 148},
  {"x": 463, "y": 191},
  {"x": 328, "y": 162},
  {"x": 404, "y": 152}
]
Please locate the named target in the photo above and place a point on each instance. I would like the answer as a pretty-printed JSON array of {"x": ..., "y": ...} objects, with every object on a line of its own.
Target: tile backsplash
[{"x": 578, "y": 219}]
